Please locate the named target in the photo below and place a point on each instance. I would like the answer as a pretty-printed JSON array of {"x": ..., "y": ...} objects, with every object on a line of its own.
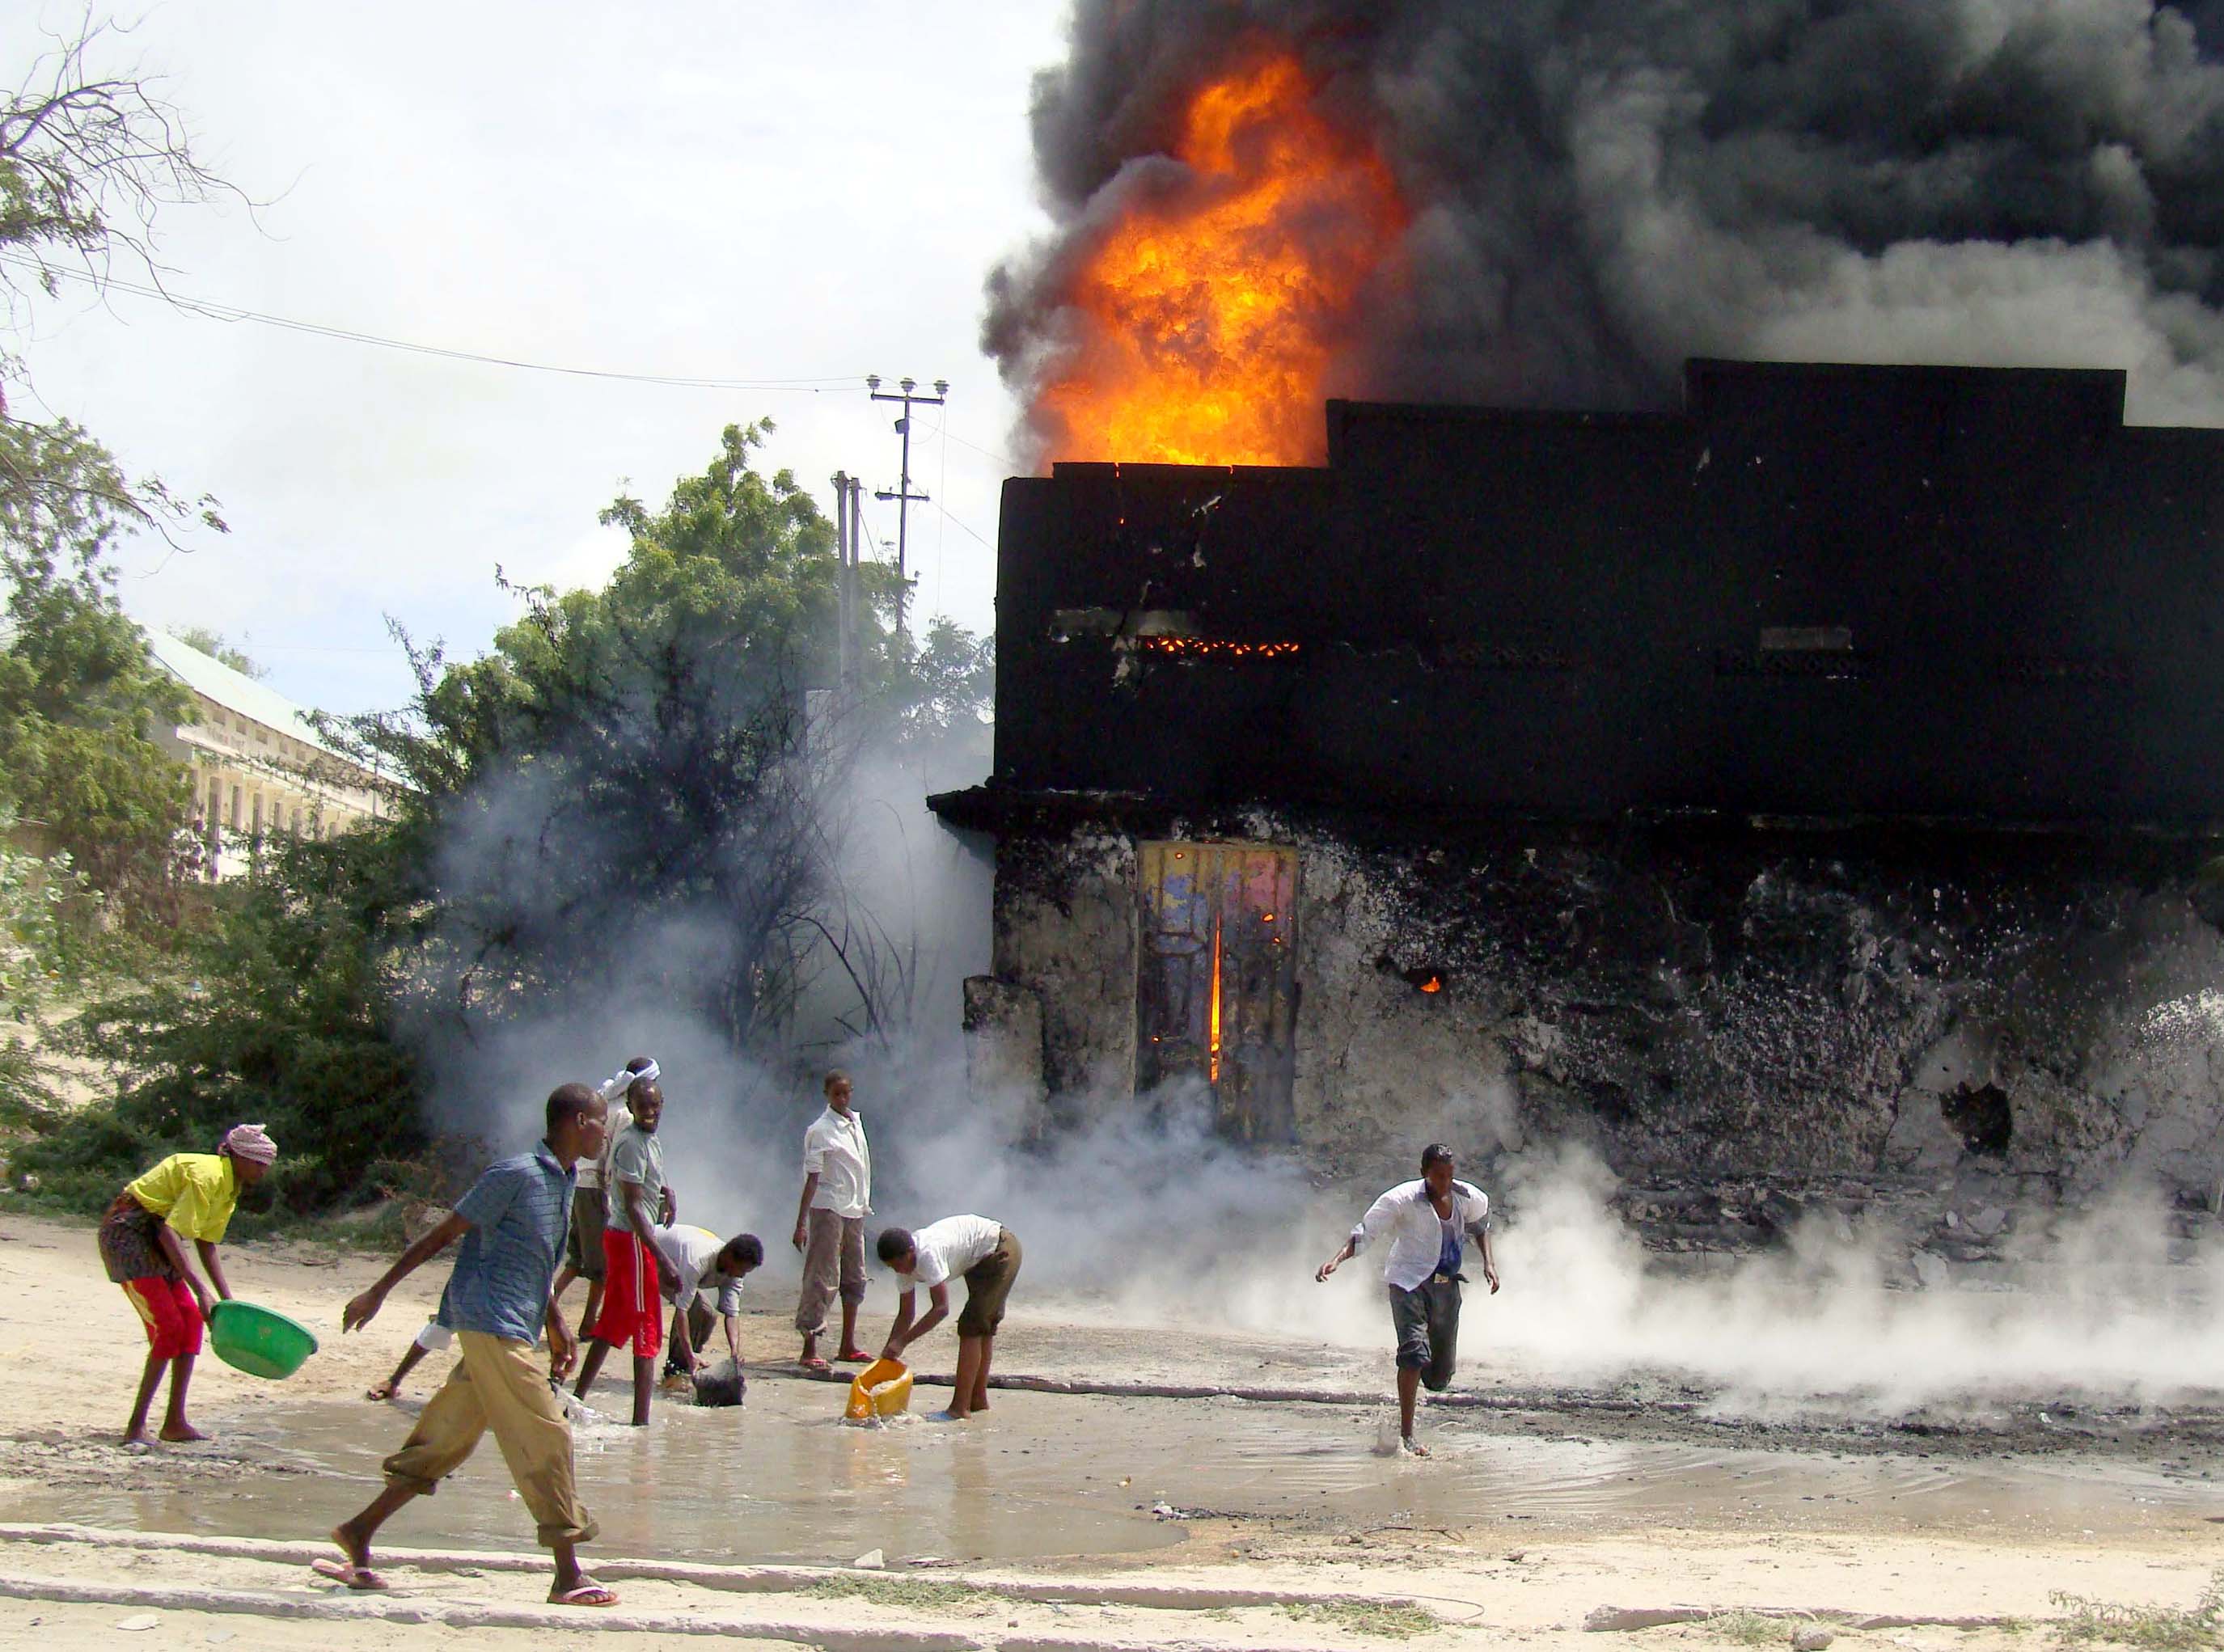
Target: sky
[{"x": 738, "y": 191}]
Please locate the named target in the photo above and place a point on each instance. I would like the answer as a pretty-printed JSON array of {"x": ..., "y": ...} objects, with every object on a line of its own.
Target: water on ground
[{"x": 783, "y": 1479}]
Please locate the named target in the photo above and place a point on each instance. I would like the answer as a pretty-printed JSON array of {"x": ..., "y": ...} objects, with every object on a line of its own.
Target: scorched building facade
[{"x": 1815, "y": 784}]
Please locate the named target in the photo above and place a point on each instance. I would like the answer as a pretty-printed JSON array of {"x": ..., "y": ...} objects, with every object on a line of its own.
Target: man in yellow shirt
[{"x": 187, "y": 1196}]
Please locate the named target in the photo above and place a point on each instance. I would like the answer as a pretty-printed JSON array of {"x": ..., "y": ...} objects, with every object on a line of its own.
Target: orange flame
[
  {"x": 1214, "y": 1053},
  {"x": 1208, "y": 316}
]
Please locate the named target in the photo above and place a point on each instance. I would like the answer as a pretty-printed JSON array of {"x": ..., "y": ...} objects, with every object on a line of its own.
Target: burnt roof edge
[{"x": 1006, "y": 811}]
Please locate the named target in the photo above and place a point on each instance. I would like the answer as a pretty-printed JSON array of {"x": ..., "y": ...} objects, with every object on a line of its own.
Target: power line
[
  {"x": 985, "y": 452},
  {"x": 214, "y": 310}
]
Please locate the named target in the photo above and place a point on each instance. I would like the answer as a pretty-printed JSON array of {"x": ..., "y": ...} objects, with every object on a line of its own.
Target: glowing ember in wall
[
  {"x": 1208, "y": 315},
  {"x": 1213, "y": 1049}
]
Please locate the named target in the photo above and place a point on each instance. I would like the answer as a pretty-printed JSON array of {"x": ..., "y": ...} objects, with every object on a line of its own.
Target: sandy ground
[{"x": 1860, "y": 1524}]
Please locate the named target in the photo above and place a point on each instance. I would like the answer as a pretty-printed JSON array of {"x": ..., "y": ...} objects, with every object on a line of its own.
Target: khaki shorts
[
  {"x": 987, "y": 1282},
  {"x": 583, "y": 1245}
]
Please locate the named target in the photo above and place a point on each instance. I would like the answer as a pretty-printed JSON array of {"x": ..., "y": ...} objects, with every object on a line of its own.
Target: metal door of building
[{"x": 1216, "y": 991}]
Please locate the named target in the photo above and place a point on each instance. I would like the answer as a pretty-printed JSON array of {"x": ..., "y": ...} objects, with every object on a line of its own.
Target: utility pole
[
  {"x": 902, "y": 494},
  {"x": 845, "y": 587},
  {"x": 849, "y": 601}
]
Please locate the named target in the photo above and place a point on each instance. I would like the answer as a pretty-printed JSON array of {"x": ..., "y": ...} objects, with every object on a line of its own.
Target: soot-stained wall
[
  {"x": 1818, "y": 591},
  {"x": 1958, "y": 1023},
  {"x": 1808, "y": 795}
]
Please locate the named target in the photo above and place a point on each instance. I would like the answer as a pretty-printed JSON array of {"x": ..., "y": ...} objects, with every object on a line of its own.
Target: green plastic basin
[{"x": 259, "y": 1340}]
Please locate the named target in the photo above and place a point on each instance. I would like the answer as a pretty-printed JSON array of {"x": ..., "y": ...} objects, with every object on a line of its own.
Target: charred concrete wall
[
  {"x": 1740, "y": 1023},
  {"x": 1939, "y": 647}
]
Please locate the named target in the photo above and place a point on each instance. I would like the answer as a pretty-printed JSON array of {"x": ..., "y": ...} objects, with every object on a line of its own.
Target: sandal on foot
[
  {"x": 585, "y": 1593},
  {"x": 814, "y": 1364},
  {"x": 351, "y": 1574}
]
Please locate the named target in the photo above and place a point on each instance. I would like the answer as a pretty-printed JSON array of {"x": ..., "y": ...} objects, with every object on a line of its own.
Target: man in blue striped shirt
[{"x": 513, "y": 1224}]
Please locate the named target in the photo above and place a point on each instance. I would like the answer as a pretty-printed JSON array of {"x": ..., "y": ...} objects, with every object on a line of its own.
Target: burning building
[
  {"x": 1813, "y": 789},
  {"x": 1785, "y": 780}
]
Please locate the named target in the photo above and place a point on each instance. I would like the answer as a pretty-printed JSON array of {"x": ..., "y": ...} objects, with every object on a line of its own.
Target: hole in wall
[{"x": 1980, "y": 1115}]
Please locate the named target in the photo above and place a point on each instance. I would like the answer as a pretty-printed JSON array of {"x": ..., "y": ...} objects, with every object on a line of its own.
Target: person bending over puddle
[
  {"x": 512, "y": 1224},
  {"x": 187, "y": 1196},
  {"x": 633, "y": 1193},
  {"x": 1426, "y": 1223},
  {"x": 703, "y": 1265},
  {"x": 988, "y": 1258}
]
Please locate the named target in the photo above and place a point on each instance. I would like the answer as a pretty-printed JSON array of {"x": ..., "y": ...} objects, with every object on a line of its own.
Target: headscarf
[
  {"x": 249, "y": 1142},
  {"x": 623, "y": 1081}
]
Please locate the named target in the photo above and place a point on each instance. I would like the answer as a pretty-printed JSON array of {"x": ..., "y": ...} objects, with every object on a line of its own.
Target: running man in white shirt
[
  {"x": 830, "y": 1222},
  {"x": 1427, "y": 1223},
  {"x": 988, "y": 1256}
]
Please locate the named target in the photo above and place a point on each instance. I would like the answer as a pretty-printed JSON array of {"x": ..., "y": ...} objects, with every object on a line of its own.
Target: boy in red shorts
[{"x": 632, "y": 1306}]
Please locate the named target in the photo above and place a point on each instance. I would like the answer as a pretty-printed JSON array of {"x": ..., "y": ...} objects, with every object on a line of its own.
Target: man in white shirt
[
  {"x": 1427, "y": 1223},
  {"x": 704, "y": 1263},
  {"x": 830, "y": 1222},
  {"x": 988, "y": 1256}
]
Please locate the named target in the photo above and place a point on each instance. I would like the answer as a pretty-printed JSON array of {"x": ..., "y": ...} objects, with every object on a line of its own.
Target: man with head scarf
[{"x": 187, "y": 1196}]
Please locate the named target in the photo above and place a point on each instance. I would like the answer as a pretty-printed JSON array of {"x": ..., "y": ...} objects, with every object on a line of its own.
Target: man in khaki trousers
[
  {"x": 513, "y": 1224},
  {"x": 830, "y": 1222}
]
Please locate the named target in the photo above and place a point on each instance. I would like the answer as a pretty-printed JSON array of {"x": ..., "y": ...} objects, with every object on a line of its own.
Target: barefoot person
[
  {"x": 705, "y": 1265},
  {"x": 582, "y": 1246},
  {"x": 1427, "y": 1223},
  {"x": 633, "y": 1194},
  {"x": 988, "y": 1256},
  {"x": 437, "y": 1337},
  {"x": 187, "y": 1196},
  {"x": 512, "y": 1224},
  {"x": 830, "y": 1222}
]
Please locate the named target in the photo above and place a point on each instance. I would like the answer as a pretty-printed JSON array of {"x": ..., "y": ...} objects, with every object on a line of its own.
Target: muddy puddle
[{"x": 1050, "y": 1475}]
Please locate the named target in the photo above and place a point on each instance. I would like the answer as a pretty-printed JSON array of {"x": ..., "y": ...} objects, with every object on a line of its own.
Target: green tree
[
  {"x": 44, "y": 952},
  {"x": 651, "y": 760},
  {"x": 627, "y": 756},
  {"x": 214, "y": 645},
  {"x": 87, "y": 162},
  {"x": 81, "y": 702},
  {"x": 285, "y": 1012}
]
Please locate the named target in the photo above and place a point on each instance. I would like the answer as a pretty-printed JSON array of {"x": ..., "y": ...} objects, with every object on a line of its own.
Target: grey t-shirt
[{"x": 638, "y": 1156}]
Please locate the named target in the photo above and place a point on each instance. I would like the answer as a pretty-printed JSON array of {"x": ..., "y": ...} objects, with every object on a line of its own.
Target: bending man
[
  {"x": 187, "y": 1196},
  {"x": 986, "y": 1256},
  {"x": 1427, "y": 1223}
]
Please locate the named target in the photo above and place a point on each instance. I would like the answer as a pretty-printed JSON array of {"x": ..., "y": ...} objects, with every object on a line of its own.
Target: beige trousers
[
  {"x": 834, "y": 1253},
  {"x": 499, "y": 1384}
]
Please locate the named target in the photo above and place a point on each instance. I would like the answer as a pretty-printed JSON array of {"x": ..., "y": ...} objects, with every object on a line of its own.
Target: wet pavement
[{"x": 1048, "y": 1475}]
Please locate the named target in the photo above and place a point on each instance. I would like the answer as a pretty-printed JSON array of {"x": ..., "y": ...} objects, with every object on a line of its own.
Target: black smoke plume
[{"x": 1600, "y": 188}]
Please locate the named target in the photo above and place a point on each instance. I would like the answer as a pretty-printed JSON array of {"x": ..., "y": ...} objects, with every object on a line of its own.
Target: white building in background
[{"x": 258, "y": 767}]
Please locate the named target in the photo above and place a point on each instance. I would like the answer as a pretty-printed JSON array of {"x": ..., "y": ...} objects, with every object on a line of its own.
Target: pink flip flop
[
  {"x": 585, "y": 1593},
  {"x": 351, "y": 1574}
]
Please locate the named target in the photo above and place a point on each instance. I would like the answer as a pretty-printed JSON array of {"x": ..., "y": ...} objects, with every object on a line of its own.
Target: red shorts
[
  {"x": 632, "y": 1310},
  {"x": 171, "y": 1313}
]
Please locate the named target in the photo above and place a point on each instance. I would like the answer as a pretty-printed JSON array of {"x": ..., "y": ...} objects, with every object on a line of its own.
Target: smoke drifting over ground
[
  {"x": 1597, "y": 191},
  {"x": 1147, "y": 1216}
]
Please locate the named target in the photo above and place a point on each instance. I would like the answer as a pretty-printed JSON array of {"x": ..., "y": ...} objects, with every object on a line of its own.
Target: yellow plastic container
[{"x": 882, "y": 1390}]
